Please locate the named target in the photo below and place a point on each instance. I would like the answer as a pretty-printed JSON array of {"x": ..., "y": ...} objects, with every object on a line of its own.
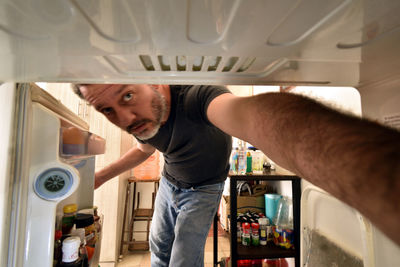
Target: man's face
[{"x": 136, "y": 108}]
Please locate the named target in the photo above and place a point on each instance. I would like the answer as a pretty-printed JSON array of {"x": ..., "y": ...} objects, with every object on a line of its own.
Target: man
[
  {"x": 172, "y": 119},
  {"x": 355, "y": 160}
]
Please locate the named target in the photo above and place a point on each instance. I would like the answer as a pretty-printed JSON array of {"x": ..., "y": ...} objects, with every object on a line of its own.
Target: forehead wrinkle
[
  {"x": 120, "y": 90},
  {"x": 100, "y": 105}
]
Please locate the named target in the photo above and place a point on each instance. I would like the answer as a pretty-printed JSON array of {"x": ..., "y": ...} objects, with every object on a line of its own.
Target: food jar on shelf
[
  {"x": 86, "y": 221},
  {"x": 68, "y": 219}
]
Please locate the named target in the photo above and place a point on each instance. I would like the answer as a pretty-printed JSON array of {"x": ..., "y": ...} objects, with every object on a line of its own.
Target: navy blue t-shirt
[{"x": 195, "y": 151}]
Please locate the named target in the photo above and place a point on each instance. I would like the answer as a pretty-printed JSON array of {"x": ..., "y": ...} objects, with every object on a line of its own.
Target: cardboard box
[{"x": 244, "y": 203}]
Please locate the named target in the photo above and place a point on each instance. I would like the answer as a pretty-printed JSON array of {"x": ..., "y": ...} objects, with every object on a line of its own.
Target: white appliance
[
  {"x": 261, "y": 42},
  {"x": 51, "y": 163}
]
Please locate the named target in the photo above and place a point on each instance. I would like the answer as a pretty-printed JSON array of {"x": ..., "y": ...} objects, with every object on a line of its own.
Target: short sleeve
[{"x": 197, "y": 99}]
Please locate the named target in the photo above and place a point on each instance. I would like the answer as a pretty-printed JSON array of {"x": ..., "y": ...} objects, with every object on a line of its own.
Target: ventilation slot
[
  {"x": 164, "y": 63},
  {"x": 197, "y": 63},
  {"x": 214, "y": 63},
  {"x": 230, "y": 63},
  {"x": 246, "y": 64},
  {"x": 147, "y": 63},
  {"x": 181, "y": 63}
]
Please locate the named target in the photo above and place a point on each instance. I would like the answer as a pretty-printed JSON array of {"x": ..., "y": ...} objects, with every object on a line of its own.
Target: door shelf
[{"x": 269, "y": 251}]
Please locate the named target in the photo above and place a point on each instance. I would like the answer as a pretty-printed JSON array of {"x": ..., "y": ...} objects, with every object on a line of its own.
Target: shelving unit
[{"x": 270, "y": 251}]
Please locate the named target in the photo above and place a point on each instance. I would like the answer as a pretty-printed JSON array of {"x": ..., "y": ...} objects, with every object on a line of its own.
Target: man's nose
[{"x": 125, "y": 117}]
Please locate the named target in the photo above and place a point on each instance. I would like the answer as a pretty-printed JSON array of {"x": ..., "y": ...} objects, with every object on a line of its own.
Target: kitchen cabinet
[{"x": 270, "y": 251}]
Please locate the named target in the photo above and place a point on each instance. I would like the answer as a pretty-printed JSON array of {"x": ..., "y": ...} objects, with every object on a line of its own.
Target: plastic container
[
  {"x": 149, "y": 169},
  {"x": 271, "y": 205},
  {"x": 68, "y": 219},
  {"x": 284, "y": 213}
]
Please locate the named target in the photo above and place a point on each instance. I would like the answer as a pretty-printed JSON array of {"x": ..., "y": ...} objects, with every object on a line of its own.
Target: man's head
[{"x": 140, "y": 109}]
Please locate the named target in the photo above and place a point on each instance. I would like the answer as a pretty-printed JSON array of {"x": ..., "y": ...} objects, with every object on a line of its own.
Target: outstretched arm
[
  {"x": 129, "y": 160},
  {"x": 355, "y": 160}
]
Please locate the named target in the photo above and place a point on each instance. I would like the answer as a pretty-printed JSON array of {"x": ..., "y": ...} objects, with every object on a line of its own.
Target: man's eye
[
  {"x": 106, "y": 111},
  {"x": 128, "y": 97}
]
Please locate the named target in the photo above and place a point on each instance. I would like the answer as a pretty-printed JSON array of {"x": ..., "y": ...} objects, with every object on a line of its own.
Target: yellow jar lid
[{"x": 70, "y": 208}]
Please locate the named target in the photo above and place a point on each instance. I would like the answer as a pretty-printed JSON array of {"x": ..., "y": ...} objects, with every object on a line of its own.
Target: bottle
[
  {"x": 263, "y": 231},
  {"x": 67, "y": 221},
  {"x": 149, "y": 169},
  {"x": 70, "y": 252},
  {"x": 82, "y": 248},
  {"x": 255, "y": 238},
  {"x": 246, "y": 234},
  {"x": 57, "y": 247},
  {"x": 256, "y": 263},
  {"x": 97, "y": 223},
  {"x": 234, "y": 160},
  {"x": 249, "y": 160},
  {"x": 242, "y": 158},
  {"x": 257, "y": 162},
  {"x": 239, "y": 232}
]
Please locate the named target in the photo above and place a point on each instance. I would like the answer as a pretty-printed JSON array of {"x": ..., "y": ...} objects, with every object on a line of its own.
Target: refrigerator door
[
  {"x": 333, "y": 234},
  {"x": 45, "y": 174}
]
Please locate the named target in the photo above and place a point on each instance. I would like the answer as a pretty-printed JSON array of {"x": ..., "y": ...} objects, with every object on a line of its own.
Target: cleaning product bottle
[
  {"x": 234, "y": 160},
  {"x": 242, "y": 158},
  {"x": 249, "y": 160}
]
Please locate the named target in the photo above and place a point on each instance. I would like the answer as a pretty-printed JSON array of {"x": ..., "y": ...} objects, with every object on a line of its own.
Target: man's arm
[
  {"x": 129, "y": 160},
  {"x": 355, "y": 160}
]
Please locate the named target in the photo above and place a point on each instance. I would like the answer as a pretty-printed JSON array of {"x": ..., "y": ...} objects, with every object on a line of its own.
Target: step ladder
[{"x": 137, "y": 214}]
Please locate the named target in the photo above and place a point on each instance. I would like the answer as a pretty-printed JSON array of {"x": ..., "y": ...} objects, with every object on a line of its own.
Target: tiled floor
[{"x": 142, "y": 259}]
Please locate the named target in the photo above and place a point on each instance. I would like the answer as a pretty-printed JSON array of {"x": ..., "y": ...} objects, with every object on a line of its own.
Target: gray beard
[{"x": 159, "y": 109}]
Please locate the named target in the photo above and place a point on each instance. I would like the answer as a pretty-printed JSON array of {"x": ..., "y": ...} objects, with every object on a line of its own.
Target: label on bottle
[
  {"x": 263, "y": 236},
  {"x": 246, "y": 239}
]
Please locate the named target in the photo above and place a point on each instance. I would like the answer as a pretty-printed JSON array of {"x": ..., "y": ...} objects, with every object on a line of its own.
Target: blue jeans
[{"x": 181, "y": 222}]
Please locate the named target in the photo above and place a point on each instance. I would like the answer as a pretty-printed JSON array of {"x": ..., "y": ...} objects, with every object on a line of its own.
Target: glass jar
[
  {"x": 86, "y": 221},
  {"x": 68, "y": 219}
]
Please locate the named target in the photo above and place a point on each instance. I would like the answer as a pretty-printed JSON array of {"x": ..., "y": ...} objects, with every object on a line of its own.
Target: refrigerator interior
[{"x": 263, "y": 42}]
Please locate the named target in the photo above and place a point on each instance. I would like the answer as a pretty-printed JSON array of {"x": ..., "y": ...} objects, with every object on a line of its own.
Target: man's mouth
[{"x": 137, "y": 127}]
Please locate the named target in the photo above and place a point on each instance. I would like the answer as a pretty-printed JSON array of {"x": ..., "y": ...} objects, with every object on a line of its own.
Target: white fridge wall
[
  {"x": 189, "y": 41},
  {"x": 383, "y": 106},
  {"x": 7, "y": 102}
]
